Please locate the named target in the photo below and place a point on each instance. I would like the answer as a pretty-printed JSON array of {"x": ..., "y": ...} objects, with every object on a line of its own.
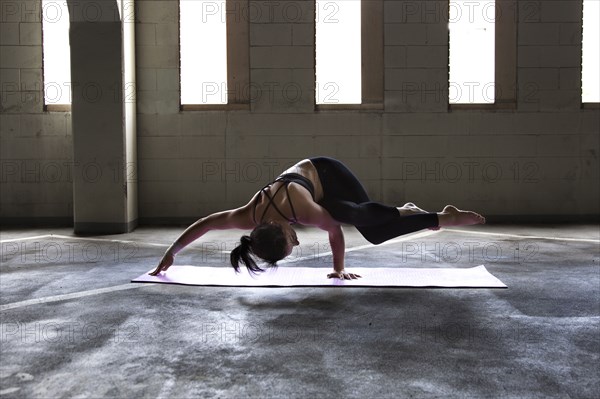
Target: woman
[{"x": 320, "y": 192}]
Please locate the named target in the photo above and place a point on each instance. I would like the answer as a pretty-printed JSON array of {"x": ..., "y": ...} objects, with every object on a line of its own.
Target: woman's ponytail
[{"x": 242, "y": 253}]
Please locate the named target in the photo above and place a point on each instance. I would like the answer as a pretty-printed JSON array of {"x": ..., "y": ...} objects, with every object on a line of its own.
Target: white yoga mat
[{"x": 474, "y": 277}]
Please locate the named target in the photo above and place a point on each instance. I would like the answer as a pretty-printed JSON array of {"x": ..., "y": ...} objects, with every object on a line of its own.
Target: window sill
[
  {"x": 214, "y": 107},
  {"x": 349, "y": 107},
  {"x": 57, "y": 108},
  {"x": 590, "y": 105},
  {"x": 482, "y": 107}
]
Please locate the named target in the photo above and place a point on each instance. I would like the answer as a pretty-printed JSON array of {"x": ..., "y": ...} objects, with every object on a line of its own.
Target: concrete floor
[{"x": 73, "y": 326}]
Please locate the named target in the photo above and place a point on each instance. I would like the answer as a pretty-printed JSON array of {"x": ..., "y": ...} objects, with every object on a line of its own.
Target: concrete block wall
[
  {"x": 538, "y": 160},
  {"x": 549, "y": 55},
  {"x": 282, "y": 66},
  {"x": 416, "y": 56},
  {"x": 36, "y": 167}
]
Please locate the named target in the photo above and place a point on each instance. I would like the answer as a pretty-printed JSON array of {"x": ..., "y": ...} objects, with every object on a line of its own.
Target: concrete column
[{"x": 103, "y": 116}]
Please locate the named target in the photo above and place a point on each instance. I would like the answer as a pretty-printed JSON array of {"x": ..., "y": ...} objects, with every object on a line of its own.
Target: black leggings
[{"x": 346, "y": 200}]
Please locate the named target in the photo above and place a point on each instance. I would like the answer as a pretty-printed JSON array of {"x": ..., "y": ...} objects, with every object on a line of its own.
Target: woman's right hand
[
  {"x": 164, "y": 264},
  {"x": 343, "y": 275}
]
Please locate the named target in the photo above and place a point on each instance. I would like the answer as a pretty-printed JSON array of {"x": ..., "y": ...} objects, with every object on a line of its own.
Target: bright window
[
  {"x": 472, "y": 52},
  {"x": 203, "y": 41},
  {"x": 590, "y": 65},
  {"x": 56, "y": 50},
  {"x": 338, "y": 51}
]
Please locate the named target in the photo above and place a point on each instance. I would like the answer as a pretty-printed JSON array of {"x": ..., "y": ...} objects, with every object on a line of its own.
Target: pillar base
[{"x": 104, "y": 228}]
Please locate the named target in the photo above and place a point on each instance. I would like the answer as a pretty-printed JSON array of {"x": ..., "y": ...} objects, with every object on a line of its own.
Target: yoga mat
[{"x": 474, "y": 277}]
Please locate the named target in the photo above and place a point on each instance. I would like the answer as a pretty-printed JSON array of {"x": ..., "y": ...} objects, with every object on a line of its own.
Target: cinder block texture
[{"x": 498, "y": 162}]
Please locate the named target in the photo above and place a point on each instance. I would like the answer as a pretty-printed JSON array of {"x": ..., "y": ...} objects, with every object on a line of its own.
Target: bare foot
[{"x": 452, "y": 216}]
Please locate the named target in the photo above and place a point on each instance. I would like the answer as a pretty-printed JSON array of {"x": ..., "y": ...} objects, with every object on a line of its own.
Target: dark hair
[{"x": 267, "y": 241}]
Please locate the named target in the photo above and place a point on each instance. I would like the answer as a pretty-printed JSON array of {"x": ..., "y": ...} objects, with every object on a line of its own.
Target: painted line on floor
[
  {"x": 110, "y": 240},
  {"x": 167, "y": 387},
  {"x": 74, "y": 295},
  {"x": 8, "y": 391},
  {"x": 484, "y": 233},
  {"x": 24, "y": 238},
  {"x": 84, "y": 239},
  {"x": 557, "y": 319}
]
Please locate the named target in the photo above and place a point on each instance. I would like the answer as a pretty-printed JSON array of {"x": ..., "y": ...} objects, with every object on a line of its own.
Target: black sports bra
[{"x": 286, "y": 179}]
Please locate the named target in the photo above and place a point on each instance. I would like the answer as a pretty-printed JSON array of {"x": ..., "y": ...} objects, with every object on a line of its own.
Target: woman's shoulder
[
  {"x": 303, "y": 167},
  {"x": 241, "y": 217}
]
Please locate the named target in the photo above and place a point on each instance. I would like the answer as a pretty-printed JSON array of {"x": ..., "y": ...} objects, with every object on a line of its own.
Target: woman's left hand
[
  {"x": 164, "y": 264},
  {"x": 344, "y": 275}
]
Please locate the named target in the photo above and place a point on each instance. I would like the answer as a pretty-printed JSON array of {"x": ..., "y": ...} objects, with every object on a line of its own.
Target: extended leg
[{"x": 347, "y": 202}]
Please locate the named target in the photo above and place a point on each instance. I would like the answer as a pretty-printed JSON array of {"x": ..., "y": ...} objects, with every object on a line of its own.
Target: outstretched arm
[{"x": 233, "y": 219}]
